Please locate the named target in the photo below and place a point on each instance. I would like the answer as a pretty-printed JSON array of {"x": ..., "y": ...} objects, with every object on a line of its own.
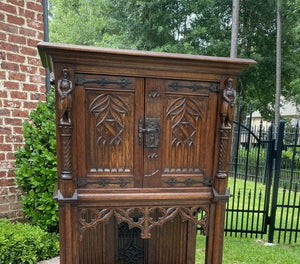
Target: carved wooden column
[{"x": 220, "y": 191}]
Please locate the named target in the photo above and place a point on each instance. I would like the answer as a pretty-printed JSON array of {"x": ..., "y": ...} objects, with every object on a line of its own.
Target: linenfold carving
[
  {"x": 110, "y": 111},
  {"x": 144, "y": 218},
  {"x": 184, "y": 114}
]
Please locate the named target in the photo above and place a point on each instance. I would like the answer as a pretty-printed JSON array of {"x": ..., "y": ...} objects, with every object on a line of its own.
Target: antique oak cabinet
[{"x": 143, "y": 142}]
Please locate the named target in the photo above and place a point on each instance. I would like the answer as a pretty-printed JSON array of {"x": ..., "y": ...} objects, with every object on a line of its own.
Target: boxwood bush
[
  {"x": 35, "y": 168},
  {"x": 25, "y": 244}
]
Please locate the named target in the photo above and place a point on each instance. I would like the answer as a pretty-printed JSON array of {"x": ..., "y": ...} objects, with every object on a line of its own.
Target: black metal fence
[{"x": 264, "y": 182}]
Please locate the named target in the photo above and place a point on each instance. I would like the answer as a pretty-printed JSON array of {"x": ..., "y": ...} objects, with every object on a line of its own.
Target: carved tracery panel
[
  {"x": 144, "y": 218},
  {"x": 110, "y": 111},
  {"x": 185, "y": 118},
  {"x": 110, "y": 124}
]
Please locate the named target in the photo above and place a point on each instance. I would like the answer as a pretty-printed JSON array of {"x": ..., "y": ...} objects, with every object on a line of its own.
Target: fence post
[
  {"x": 278, "y": 154},
  {"x": 268, "y": 170}
]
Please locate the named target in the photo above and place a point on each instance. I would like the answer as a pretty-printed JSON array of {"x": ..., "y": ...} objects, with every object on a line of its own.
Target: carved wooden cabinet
[{"x": 143, "y": 142}]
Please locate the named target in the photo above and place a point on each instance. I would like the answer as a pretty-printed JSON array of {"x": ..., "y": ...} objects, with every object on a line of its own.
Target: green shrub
[
  {"x": 23, "y": 243},
  {"x": 35, "y": 168}
]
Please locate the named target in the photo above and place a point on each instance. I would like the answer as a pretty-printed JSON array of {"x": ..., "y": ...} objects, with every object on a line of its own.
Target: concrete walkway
[{"x": 50, "y": 261}]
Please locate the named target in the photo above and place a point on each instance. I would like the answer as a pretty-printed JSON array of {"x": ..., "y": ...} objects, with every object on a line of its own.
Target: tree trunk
[
  {"x": 278, "y": 65},
  {"x": 233, "y": 54},
  {"x": 235, "y": 28}
]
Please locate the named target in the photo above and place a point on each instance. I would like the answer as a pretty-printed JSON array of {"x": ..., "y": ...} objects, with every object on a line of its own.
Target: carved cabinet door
[
  {"x": 144, "y": 132},
  {"x": 179, "y": 121}
]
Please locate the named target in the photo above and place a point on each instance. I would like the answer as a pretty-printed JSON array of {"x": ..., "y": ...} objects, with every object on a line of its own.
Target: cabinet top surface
[{"x": 58, "y": 50}]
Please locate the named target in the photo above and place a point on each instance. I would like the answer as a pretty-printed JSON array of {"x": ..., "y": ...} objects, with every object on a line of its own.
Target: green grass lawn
[
  {"x": 251, "y": 251},
  {"x": 253, "y": 201},
  {"x": 248, "y": 250}
]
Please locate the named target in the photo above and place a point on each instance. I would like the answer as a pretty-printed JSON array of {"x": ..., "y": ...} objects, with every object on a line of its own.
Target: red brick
[
  {"x": 12, "y": 103},
  {"x": 9, "y": 28},
  {"x": 11, "y": 155},
  {"x": 2, "y": 55},
  {"x": 36, "y": 79},
  {"x": 35, "y": 7},
  {"x": 17, "y": 76},
  {"x": 17, "y": 39},
  {"x": 15, "y": 20},
  {"x": 2, "y": 156},
  {"x": 3, "y": 94},
  {"x": 15, "y": 57},
  {"x": 5, "y": 147},
  {"x": 4, "y": 112},
  {"x": 9, "y": 47},
  {"x": 38, "y": 96},
  {"x": 32, "y": 42},
  {"x": 29, "y": 51},
  {"x": 14, "y": 138},
  {"x": 30, "y": 105},
  {"x": 42, "y": 71},
  {"x": 29, "y": 69},
  {"x": 35, "y": 24},
  {"x": 8, "y": 8},
  {"x": 34, "y": 61},
  {"x": 39, "y": 17},
  {"x": 17, "y": 130},
  {"x": 5, "y": 130},
  {"x": 13, "y": 121},
  {"x": 2, "y": 16},
  {"x": 41, "y": 35},
  {"x": 10, "y": 66},
  {"x": 3, "y": 191},
  {"x": 18, "y": 95},
  {"x": 28, "y": 32},
  {"x": 20, "y": 113},
  {"x": 6, "y": 182},
  {"x": 11, "y": 85},
  {"x": 26, "y": 13},
  {"x": 17, "y": 2},
  {"x": 3, "y": 36},
  {"x": 2, "y": 76},
  {"x": 29, "y": 87}
]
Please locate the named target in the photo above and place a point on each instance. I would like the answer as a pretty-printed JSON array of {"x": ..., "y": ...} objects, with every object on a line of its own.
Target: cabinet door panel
[
  {"x": 183, "y": 110},
  {"x": 111, "y": 109}
]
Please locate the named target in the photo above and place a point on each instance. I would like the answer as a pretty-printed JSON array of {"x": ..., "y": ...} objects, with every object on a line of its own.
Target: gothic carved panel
[
  {"x": 110, "y": 111},
  {"x": 110, "y": 121},
  {"x": 144, "y": 218},
  {"x": 184, "y": 114},
  {"x": 185, "y": 120}
]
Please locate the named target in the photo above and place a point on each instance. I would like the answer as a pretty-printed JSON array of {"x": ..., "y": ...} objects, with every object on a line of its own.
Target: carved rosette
[
  {"x": 226, "y": 115},
  {"x": 144, "y": 218}
]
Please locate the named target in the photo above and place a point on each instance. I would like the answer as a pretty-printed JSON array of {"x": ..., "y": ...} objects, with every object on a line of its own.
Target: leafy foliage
[
  {"x": 23, "y": 243},
  {"x": 191, "y": 26},
  {"x": 35, "y": 168}
]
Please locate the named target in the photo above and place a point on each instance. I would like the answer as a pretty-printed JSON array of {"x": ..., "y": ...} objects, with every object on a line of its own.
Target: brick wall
[{"x": 21, "y": 87}]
